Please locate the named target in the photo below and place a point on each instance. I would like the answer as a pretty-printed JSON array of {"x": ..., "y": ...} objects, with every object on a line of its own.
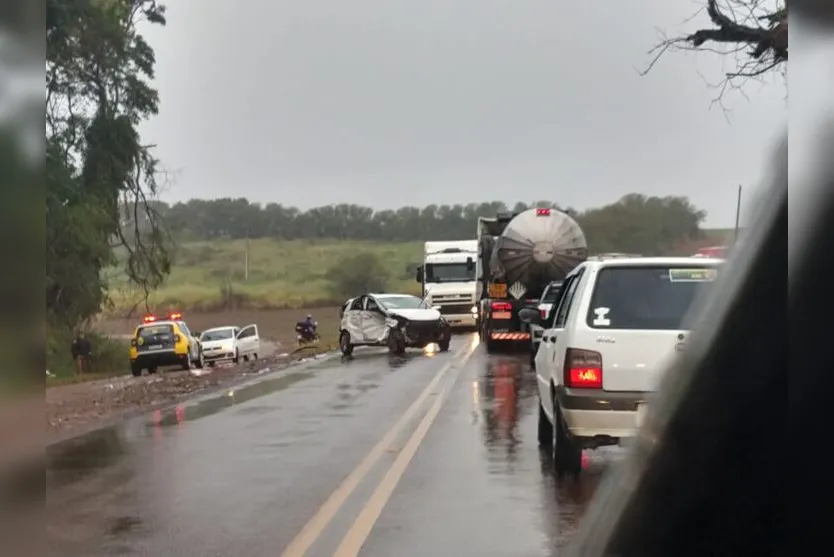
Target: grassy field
[{"x": 282, "y": 274}]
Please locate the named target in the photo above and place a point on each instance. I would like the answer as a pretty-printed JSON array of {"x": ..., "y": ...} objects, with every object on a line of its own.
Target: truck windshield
[
  {"x": 647, "y": 298},
  {"x": 448, "y": 272}
]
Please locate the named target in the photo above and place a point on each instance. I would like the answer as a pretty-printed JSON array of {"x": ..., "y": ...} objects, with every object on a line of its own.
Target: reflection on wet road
[{"x": 375, "y": 455}]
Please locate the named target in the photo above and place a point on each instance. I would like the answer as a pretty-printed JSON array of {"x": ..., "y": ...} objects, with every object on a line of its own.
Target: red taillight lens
[
  {"x": 542, "y": 212},
  {"x": 501, "y": 306},
  {"x": 583, "y": 369},
  {"x": 544, "y": 313},
  {"x": 177, "y": 338}
]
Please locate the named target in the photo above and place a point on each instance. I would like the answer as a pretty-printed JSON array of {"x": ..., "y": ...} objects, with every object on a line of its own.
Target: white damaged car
[
  {"x": 398, "y": 321},
  {"x": 230, "y": 344}
]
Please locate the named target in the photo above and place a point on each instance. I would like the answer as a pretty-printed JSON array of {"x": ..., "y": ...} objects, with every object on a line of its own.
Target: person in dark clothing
[
  {"x": 307, "y": 328},
  {"x": 81, "y": 351}
]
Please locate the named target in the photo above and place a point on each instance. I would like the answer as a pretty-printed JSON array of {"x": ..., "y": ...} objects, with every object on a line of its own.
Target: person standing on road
[{"x": 81, "y": 351}]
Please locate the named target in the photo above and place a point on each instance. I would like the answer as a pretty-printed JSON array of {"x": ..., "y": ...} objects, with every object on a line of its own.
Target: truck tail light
[
  {"x": 501, "y": 306},
  {"x": 583, "y": 369}
]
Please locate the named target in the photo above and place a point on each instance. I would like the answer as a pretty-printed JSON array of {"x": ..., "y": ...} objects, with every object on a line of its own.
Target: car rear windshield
[
  {"x": 552, "y": 294},
  {"x": 154, "y": 334},
  {"x": 656, "y": 298},
  {"x": 218, "y": 334}
]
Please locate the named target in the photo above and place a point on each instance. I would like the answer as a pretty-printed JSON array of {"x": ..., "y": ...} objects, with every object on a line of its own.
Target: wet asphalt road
[{"x": 376, "y": 456}]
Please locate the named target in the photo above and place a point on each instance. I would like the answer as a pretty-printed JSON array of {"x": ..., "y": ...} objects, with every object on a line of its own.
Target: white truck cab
[{"x": 448, "y": 278}]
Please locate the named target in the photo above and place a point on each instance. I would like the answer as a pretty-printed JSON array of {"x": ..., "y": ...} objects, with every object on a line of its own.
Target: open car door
[{"x": 248, "y": 340}]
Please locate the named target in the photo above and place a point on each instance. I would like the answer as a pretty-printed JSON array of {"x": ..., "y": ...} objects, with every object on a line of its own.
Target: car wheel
[
  {"x": 396, "y": 342},
  {"x": 186, "y": 363},
  {"x": 211, "y": 364},
  {"x": 254, "y": 355},
  {"x": 246, "y": 357},
  {"x": 567, "y": 455},
  {"x": 152, "y": 370},
  {"x": 236, "y": 359},
  {"x": 545, "y": 430},
  {"x": 136, "y": 370},
  {"x": 344, "y": 343}
]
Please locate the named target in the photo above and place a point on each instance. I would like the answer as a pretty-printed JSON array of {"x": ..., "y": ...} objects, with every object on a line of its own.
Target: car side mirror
[
  {"x": 419, "y": 274},
  {"x": 470, "y": 264},
  {"x": 531, "y": 316}
]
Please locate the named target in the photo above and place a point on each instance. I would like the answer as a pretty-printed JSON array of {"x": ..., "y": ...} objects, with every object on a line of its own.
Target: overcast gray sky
[{"x": 389, "y": 103}]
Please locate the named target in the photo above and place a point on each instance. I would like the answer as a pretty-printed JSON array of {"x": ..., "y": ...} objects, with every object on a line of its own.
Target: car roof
[
  {"x": 221, "y": 328},
  {"x": 161, "y": 322},
  {"x": 651, "y": 261},
  {"x": 391, "y": 295}
]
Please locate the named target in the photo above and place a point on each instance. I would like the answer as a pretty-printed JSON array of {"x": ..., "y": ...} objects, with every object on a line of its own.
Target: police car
[{"x": 164, "y": 342}]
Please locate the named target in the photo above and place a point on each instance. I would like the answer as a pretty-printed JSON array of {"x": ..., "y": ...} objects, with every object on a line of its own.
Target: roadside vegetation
[{"x": 109, "y": 357}]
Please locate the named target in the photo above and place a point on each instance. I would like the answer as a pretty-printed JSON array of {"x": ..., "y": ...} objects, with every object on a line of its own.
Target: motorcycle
[{"x": 306, "y": 336}]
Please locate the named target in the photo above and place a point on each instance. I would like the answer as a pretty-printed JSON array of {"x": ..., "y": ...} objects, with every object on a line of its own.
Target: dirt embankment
[{"x": 81, "y": 405}]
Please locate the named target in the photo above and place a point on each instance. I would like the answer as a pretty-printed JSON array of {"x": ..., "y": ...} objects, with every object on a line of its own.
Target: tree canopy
[
  {"x": 98, "y": 69},
  {"x": 636, "y": 223}
]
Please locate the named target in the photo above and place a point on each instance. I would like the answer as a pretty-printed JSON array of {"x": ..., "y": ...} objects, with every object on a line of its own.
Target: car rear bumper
[
  {"x": 595, "y": 413},
  {"x": 159, "y": 358}
]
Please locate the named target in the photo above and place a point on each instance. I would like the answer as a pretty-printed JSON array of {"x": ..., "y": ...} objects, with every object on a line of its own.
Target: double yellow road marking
[{"x": 359, "y": 532}]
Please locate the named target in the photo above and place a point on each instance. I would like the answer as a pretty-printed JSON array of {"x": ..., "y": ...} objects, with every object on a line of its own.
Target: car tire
[
  {"x": 246, "y": 357},
  {"x": 136, "y": 370},
  {"x": 396, "y": 342},
  {"x": 211, "y": 364},
  {"x": 254, "y": 355},
  {"x": 236, "y": 359},
  {"x": 567, "y": 454},
  {"x": 152, "y": 370},
  {"x": 344, "y": 343},
  {"x": 545, "y": 430}
]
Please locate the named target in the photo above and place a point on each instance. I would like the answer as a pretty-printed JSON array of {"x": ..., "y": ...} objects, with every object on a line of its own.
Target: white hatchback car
[
  {"x": 616, "y": 325},
  {"x": 230, "y": 344}
]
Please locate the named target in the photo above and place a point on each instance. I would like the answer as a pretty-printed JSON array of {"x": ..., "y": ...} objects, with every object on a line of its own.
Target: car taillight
[
  {"x": 544, "y": 313},
  {"x": 501, "y": 306},
  {"x": 176, "y": 338},
  {"x": 542, "y": 212},
  {"x": 583, "y": 369}
]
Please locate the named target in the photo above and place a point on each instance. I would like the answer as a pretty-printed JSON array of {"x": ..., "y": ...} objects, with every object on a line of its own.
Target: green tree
[
  {"x": 357, "y": 274},
  {"x": 99, "y": 176}
]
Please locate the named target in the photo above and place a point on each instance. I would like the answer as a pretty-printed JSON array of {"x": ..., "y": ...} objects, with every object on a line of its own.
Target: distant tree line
[{"x": 635, "y": 223}]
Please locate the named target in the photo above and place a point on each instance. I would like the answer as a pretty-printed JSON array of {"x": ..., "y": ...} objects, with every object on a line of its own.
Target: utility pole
[
  {"x": 738, "y": 213},
  {"x": 246, "y": 262}
]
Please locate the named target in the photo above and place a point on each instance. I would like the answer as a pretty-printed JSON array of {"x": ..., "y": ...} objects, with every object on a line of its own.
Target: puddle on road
[
  {"x": 503, "y": 393},
  {"x": 188, "y": 412},
  {"x": 74, "y": 459}
]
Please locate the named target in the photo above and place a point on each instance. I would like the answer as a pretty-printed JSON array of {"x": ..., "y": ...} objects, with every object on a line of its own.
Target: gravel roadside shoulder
[{"x": 71, "y": 409}]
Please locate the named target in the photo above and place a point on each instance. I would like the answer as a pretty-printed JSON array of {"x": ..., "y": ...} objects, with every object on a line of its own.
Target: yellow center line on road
[
  {"x": 361, "y": 529},
  {"x": 311, "y": 531}
]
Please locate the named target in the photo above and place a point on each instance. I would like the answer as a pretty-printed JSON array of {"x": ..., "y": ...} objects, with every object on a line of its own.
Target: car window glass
[
  {"x": 218, "y": 334},
  {"x": 154, "y": 334},
  {"x": 357, "y": 303},
  {"x": 184, "y": 328},
  {"x": 647, "y": 298},
  {"x": 246, "y": 332},
  {"x": 566, "y": 301},
  {"x": 372, "y": 305}
]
